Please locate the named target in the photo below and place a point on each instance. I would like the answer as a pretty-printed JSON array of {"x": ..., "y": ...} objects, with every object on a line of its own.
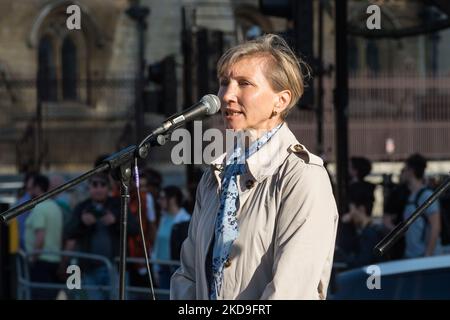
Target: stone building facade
[{"x": 89, "y": 107}]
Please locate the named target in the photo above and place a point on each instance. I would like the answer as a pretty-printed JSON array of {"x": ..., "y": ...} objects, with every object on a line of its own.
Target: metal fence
[{"x": 25, "y": 285}]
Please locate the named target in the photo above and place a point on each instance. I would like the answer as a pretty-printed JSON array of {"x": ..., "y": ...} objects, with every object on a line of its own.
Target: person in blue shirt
[
  {"x": 170, "y": 200},
  {"x": 422, "y": 237}
]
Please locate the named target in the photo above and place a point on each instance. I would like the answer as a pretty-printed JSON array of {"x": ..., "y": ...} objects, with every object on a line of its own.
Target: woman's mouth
[{"x": 232, "y": 113}]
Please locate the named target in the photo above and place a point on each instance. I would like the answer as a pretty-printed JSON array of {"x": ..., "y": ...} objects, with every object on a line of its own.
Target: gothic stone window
[
  {"x": 46, "y": 78},
  {"x": 69, "y": 69}
]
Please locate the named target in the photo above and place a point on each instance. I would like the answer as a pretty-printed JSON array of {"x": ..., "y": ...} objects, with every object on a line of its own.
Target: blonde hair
[{"x": 284, "y": 70}]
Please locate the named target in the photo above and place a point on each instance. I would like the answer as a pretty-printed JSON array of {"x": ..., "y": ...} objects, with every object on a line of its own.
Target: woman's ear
[{"x": 284, "y": 98}]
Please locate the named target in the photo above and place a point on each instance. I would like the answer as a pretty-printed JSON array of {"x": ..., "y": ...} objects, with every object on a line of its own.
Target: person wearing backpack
[{"x": 422, "y": 237}]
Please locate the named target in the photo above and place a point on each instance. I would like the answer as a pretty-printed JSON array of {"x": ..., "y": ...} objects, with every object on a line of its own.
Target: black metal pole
[
  {"x": 303, "y": 19},
  {"x": 188, "y": 99},
  {"x": 139, "y": 112},
  {"x": 5, "y": 256},
  {"x": 139, "y": 14},
  {"x": 38, "y": 138},
  {"x": 341, "y": 103},
  {"x": 319, "y": 114},
  {"x": 125, "y": 172},
  {"x": 30, "y": 204}
]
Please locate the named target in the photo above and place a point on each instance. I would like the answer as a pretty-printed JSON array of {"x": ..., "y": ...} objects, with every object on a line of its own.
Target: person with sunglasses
[{"x": 95, "y": 228}]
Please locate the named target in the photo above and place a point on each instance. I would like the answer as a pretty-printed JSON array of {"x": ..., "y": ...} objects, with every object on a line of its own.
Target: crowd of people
[
  {"x": 92, "y": 226},
  {"x": 359, "y": 232}
]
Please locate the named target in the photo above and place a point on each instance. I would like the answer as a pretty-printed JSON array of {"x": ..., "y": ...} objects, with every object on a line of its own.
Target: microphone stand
[
  {"x": 119, "y": 165},
  {"x": 386, "y": 243}
]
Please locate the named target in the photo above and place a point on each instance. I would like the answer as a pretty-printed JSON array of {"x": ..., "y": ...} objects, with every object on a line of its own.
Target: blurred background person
[
  {"x": 422, "y": 237},
  {"x": 192, "y": 185},
  {"x": 114, "y": 185},
  {"x": 180, "y": 230},
  {"x": 62, "y": 199},
  {"x": 95, "y": 228},
  {"x": 170, "y": 200},
  {"x": 359, "y": 169},
  {"x": 152, "y": 181},
  {"x": 25, "y": 195},
  {"x": 43, "y": 231},
  {"x": 368, "y": 233}
]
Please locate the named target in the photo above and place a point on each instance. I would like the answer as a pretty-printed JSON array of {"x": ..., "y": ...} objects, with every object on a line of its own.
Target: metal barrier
[
  {"x": 158, "y": 292},
  {"x": 25, "y": 284}
]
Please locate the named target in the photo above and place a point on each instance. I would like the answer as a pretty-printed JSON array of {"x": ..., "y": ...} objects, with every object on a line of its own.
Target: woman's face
[{"x": 247, "y": 98}]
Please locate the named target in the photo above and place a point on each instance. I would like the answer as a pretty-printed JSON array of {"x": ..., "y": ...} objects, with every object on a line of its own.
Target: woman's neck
[{"x": 251, "y": 134}]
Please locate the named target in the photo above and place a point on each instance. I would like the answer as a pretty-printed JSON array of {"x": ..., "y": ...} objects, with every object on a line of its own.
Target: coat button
[
  {"x": 227, "y": 263},
  {"x": 249, "y": 184},
  {"x": 298, "y": 148}
]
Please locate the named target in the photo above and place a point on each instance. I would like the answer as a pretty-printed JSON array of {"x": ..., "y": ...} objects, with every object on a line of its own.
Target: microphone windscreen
[{"x": 213, "y": 103}]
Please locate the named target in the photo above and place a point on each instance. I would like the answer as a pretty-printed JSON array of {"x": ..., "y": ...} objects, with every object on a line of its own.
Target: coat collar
[{"x": 270, "y": 157}]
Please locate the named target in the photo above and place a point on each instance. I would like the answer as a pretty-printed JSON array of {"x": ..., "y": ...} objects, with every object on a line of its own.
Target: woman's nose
[{"x": 227, "y": 93}]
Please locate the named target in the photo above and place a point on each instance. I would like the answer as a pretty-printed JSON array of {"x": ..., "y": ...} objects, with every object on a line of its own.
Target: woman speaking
[{"x": 265, "y": 219}]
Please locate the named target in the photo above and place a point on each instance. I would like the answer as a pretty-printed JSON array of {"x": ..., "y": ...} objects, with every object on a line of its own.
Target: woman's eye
[
  {"x": 223, "y": 82},
  {"x": 244, "y": 83}
]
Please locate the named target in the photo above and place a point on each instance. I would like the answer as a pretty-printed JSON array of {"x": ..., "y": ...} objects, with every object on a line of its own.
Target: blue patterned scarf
[{"x": 226, "y": 224}]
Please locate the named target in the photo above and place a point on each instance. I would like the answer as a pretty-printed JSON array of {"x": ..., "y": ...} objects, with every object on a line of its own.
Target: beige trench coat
[{"x": 287, "y": 228}]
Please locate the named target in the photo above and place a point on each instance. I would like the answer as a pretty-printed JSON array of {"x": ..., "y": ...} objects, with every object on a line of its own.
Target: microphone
[{"x": 208, "y": 105}]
